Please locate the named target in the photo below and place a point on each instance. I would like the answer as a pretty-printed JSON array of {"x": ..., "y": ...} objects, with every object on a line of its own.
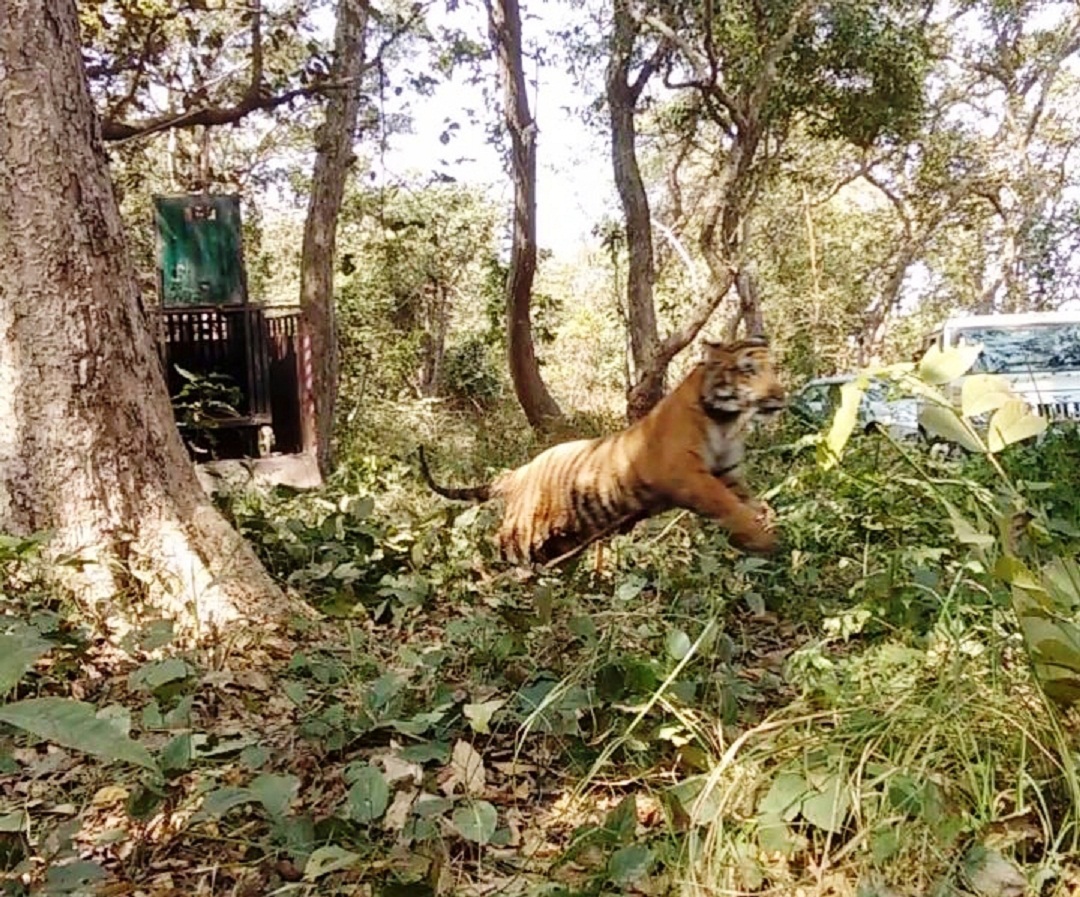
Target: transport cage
[
  {"x": 206, "y": 327},
  {"x": 200, "y": 250}
]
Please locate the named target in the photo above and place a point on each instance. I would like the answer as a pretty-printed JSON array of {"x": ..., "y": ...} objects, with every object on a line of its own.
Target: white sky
[{"x": 574, "y": 181}]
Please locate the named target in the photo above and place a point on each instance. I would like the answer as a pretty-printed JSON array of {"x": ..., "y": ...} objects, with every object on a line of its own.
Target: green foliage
[
  {"x": 471, "y": 374},
  {"x": 418, "y": 260},
  {"x": 201, "y": 405}
]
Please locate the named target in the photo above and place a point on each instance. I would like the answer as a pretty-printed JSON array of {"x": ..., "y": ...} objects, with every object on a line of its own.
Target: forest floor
[{"x": 855, "y": 716}]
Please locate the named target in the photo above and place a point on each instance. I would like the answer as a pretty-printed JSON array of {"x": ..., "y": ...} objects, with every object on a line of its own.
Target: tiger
[{"x": 686, "y": 453}]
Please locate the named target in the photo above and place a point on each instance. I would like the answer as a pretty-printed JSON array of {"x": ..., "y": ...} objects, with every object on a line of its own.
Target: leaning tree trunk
[
  {"x": 88, "y": 447},
  {"x": 504, "y": 23},
  {"x": 333, "y": 158}
]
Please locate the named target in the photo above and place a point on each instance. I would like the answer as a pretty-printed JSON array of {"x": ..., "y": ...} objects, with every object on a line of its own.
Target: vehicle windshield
[{"x": 1016, "y": 350}]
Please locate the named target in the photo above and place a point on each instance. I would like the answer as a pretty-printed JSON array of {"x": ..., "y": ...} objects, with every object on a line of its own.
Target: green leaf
[
  {"x": 479, "y": 715},
  {"x": 75, "y": 724},
  {"x": 941, "y": 366},
  {"x": 784, "y": 796},
  {"x": 324, "y": 860},
  {"x": 476, "y": 821},
  {"x": 275, "y": 792},
  {"x": 295, "y": 692},
  {"x": 157, "y": 673},
  {"x": 947, "y": 424},
  {"x": 254, "y": 756},
  {"x": 18, "y": 653},
  {"x": 369, "y": 795},
  {"x": 583, "y": 627},
  {"x": 15, "y": 821},
  {"x": 884, "y": 843},
  {"x": 77, "y": 876},
  {"x": 967, "y": 533},
  {"x": 178, "y": 753},
  {"x": 630, "y": 587},
  {"x": 677, "y": 643},
  {"x": 1013, "y": 571},
  {"x": 218, "y": 802},
  {"x": 983, "y": 393},
  {"x": 621, "y": 822},
  {"x": 828, "y": 808},
  {"x": 774, "y": 836},
  {"x": 630, "y": 864},
  {"x": 1013, "y": 422}
]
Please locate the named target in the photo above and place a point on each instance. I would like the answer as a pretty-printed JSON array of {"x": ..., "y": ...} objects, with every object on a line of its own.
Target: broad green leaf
[
  {"x": 157, "y": 673},
  {"x": 324, "y": 860},
  {"x": 476, "y": 821},
  {"x": 677, "y": 643},
  {"x": 843, "y": 425},
  {"x": 75, "y": 724},
  {"x": 940, "y": 366},
  {"x": 15, "y": 821},
  {"x": 178, "y": 753},
  {"x": 18, "y": 653},
  {"x": 479, "y": 715},
  {"x": 982, "y": 393},
  {"x": 967, "y": 533},
  {"x": 947, "y": 424},
  {"x": 218, "y": 802},
  {"x": 1013, "y": 422},
  {"x": 784, "y": 796},
  {"x": 75, "y": 877},
  {"x": 1061, "y": 578},
  {"x": 621, "y": 822},
  {"x": 630, "y": 587},
  {"x": 774, "y": 836},
  {"x": 884, "y": 843},
  {"x": 275, "y": 792},
  {"x": 1061, "y": 649},
  {"x": 828, "y": 809},
  {"x": 254, "y": 756},
  {"x": 629, "y": 864},
  {"x": 369, "y": 795},
  {"x": 1013, "y": 571}
]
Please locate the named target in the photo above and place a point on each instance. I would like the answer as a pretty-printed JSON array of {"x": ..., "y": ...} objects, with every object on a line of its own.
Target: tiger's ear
[{"x": 711, "y": 349}]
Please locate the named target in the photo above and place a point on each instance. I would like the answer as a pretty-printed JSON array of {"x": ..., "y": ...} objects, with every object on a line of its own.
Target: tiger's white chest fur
[{"x": 723, "y": 450}]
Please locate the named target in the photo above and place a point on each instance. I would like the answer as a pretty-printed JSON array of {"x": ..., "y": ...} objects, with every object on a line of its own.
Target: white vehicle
[
  {"x": 1037, "y": 352},
  {"x": 818, "y": 400}
]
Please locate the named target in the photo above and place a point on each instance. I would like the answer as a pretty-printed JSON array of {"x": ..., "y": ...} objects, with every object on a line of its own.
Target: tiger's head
[{"x": 739, "y": 377}]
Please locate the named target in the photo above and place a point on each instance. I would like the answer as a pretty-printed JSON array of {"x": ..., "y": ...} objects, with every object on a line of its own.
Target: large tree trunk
[
  {"x": 647, "y": 383},
  {"x": 333, "y": 158},
  {"x": 88, "y": 446},
  {"x": 504, "y": 23}
]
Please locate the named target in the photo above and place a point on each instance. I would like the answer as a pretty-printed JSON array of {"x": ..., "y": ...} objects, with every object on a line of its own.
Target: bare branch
[{"x": 212, "y": 115}]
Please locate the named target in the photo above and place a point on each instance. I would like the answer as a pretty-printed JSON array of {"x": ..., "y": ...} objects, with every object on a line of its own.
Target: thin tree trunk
[
  {"x": 504, "y": 24},
  {"x": 622, "y": 97},
  {"x": 88, "y": 446},
  {"x": 333, "y": 158}
]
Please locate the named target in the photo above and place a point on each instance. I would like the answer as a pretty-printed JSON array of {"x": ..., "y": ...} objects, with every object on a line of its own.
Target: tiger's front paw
[{"x": 755, "y": 531}]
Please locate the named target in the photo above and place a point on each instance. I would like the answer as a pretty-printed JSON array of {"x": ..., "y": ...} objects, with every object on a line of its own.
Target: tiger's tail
[{"x": 468, "y": 493}]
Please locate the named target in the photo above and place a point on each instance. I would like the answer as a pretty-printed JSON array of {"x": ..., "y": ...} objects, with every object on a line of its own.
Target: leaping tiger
[{"x": 686, "y": 453}]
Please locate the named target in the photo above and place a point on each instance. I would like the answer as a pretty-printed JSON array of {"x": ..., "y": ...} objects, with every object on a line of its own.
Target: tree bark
[
  {"x": 88, "y": 447},
  {"x": 647, "y": 385},
  {"x": 333, "y": 158},
  {"x": 504, "y": 25}
]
